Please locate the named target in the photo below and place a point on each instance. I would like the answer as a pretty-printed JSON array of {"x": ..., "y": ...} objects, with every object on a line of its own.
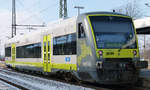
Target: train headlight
[
  {"x": 100, "y": 53},
  {"x": 134, "y": 52}
]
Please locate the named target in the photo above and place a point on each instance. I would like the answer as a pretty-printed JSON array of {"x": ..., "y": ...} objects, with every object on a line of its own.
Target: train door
[
  {"x": 13, "y": 53},
  {"x": 47, "y": 53}
]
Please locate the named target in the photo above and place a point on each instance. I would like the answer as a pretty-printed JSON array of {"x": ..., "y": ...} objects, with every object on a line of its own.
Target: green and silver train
[{"x": 98, "y": 47}]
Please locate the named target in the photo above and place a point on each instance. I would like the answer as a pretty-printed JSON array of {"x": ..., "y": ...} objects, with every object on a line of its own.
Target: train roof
[
  {"x": 114, "y": 13},
  {"x": 142, "y": 23},
  {"x": 24, "y": 38},
  {"x": 50, "y": 27},
  {"x": 31, "y": 37},
  {"x": 60, "y": 21}
]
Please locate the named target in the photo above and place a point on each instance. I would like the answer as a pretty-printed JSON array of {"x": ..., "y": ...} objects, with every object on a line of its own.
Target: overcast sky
[{"x": 39, "y": 11}]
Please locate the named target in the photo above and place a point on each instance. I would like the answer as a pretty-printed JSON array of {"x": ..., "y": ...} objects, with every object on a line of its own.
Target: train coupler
[{"x": 99, "y": 65}]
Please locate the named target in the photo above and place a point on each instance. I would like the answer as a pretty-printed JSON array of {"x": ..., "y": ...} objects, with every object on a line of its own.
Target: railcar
[{"x": 96, "y": 47}]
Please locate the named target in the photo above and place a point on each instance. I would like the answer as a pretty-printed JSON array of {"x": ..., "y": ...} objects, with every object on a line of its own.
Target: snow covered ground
[
  {"x": 5, "y": 86},
  {"x": 36, "y": 83}
]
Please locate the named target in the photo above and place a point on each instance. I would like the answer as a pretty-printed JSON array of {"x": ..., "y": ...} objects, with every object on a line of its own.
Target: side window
[
  {"x": 8, "y": 52},
  {"x": 64, "y": 45},
  {"x": 81, "y": 31},
  {"x": 29, "y": 51}
]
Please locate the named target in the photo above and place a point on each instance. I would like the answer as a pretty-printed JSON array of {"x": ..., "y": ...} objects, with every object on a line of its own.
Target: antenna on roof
[{"x": 114, "y": 10}]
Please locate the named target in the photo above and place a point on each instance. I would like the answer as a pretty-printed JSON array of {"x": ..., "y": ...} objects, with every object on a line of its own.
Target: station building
[{"x": 143, "y": 30}]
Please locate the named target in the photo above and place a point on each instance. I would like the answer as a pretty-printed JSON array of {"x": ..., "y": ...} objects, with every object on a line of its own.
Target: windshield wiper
[{"x": 127, "y": 44}]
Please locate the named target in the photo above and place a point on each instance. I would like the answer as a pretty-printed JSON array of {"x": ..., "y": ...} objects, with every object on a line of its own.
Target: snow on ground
[
  {"x": 36, "y": 83},
  {"x": 5, "y": 86}
]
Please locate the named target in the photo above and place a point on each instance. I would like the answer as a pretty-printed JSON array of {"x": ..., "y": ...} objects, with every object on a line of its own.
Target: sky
[{"x": 45, "y": 11}]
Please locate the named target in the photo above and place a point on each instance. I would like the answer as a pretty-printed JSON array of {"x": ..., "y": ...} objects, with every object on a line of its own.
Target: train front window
[{"x": 113, "y": 32}]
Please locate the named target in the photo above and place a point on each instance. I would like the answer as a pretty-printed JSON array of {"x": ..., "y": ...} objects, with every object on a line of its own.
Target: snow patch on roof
[{"x": 141, "y": 23}]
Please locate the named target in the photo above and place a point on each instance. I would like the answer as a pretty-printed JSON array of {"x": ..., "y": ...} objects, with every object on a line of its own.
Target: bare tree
[
  {"x": 132, "y": 9},
  {"x": 147, "y": 4}
]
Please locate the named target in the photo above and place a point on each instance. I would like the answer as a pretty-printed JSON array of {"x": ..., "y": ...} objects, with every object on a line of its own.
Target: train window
[
  {"x": 81, "y": 32},
  {"x": 64, "y": 45},
  {"x": 8, "y": 52},
  {"x": 29, "y": 51}
]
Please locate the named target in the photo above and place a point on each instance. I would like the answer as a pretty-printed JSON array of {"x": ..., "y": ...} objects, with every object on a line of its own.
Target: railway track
[
  {"x": 23, "y": 81},
  {"x": 19, "y": 87},
  {"x": 91, "y": 85},
  {"x": 7, "y": 75},
  {"x": 46, "y": 79},
  {"x": 59, "y": 83}
]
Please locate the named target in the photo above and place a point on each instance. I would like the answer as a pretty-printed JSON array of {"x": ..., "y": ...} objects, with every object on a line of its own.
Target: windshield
[{"x": 113, "y": 32}]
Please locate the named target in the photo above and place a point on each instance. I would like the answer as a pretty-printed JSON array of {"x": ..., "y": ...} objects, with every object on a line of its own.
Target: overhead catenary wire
[
  {"x": 27, "y": 10},
  {"x": 38, "y": 13},
  {"x": 19, "y": 1},
  {"x": 14, "y": 31},
  {"x": 31, "y": 6},
  {"x": 3, "y": 2}
]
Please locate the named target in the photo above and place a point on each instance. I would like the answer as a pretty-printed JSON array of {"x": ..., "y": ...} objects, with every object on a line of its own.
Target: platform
[{"x": 145, "y": 77}]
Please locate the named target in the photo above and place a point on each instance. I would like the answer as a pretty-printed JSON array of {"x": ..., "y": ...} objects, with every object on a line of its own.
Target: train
[{"x": 97, "y": 47}]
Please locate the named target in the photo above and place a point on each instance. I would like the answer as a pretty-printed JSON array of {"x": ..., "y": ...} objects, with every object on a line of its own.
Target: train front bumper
[
  {"x": 121, "y": 64},
  {"x": 119, "y": 71}
]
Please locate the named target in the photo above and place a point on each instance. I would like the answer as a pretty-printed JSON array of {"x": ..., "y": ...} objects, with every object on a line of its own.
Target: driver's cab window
[{"x": 81, "y": 31}]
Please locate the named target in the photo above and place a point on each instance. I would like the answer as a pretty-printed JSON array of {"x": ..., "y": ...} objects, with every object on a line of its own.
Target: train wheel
[
  {"x": 68, "y": 77},
  {"x": 139, "y": 82}
]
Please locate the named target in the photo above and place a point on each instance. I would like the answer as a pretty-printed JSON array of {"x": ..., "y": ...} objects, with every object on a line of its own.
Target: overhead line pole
[
  {"x": 13, "y": 18},
  {"x": 63, "y": 9}
]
